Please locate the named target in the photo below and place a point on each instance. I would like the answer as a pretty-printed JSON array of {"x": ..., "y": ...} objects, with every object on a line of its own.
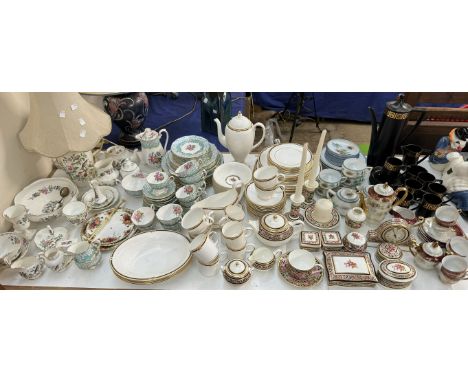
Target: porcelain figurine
[
  {"x": 151, "y": 148},
  {"x": 454, "y": 142},
  {"x": 239, "y": 136}
]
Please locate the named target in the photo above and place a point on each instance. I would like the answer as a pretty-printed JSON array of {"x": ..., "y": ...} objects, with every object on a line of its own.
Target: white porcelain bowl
[
  {"x": 143, "y": 217},
  {"x": 229, "y": 173}
]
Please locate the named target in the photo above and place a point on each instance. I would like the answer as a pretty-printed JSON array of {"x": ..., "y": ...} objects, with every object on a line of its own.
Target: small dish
[{"x": 458, "y": 246}]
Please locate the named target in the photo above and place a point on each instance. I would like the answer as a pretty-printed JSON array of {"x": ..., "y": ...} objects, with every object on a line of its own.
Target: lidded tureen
[
  {"x": 274, "y": 229},
  {"x": 396, "y": 274}
]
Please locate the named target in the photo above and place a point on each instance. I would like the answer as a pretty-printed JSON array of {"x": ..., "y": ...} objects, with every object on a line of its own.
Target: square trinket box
[
  {"x": 353, "y": 269},
  {"x": 331, "y": 240},
  {"x": 310, "y": 240}
]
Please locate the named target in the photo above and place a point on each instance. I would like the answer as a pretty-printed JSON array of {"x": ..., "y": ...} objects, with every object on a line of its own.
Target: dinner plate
[
  {"x": 252, "y": 197},
  {"x": 108, "y": 227},
  {"x": 42, "y": 196},
  {"x": 151, "y": 257},
  {"x": 326, "y": 163},
  {"x": 288, "y": 156}
]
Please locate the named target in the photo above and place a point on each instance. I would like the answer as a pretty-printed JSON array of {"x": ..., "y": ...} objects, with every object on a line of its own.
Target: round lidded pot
[
  {"x": 355, "y": 218},
  {"x": 428, "y": 255},
  {"x": 388, "y": 251},
  {"x": 344, "y": 199},
  {"x": 355, "y": 242},
  {"x": 237, "y": 271}
]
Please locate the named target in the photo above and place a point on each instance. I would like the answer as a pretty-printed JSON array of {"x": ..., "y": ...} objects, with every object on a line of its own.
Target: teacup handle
[
  {"x": 402, "y": 199},
  {"x": 161, "y": 132},
  {"x": 277, "y": 253},
  {"x": 330, "y": 193},
  {"x": 204, "y": 173},
  {"x": 214, "y": 237},
  {"x": 223, "y": 221},
  {"x": 297, "y": 225},
  {"x": 281, "y": 178},
  {"x": 319, "y": 266},
  {"x": 201, "y": 188},
  {"x": 248, "y": 231}
]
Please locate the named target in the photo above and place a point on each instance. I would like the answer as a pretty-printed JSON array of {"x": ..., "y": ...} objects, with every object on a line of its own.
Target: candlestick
[
  {"x": 300, "y": 178},
  {"x": 316, "y": 158}
]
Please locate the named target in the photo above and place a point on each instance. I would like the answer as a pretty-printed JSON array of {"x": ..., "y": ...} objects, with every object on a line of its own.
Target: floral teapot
[
  {"x": 380, "y": 200},
  {"x": 239, "y": 136},
  {"x": 151, "y": 148}
]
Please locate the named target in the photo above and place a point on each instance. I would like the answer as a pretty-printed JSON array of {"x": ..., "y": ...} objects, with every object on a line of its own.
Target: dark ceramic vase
[{"x": 128, "y": 111}]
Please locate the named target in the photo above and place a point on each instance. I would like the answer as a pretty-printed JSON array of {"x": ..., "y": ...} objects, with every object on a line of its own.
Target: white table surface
[{"x": 191, "y": 278}]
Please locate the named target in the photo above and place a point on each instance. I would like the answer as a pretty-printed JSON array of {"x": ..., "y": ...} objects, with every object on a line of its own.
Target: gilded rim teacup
[
  {"x": 235, "y": 234},
  {"x": 453, "y": 269},
  {"x": 196, "y": 222},
  {"x": 188, "y": 168},
  {"x": 188, "y": 193},
  {"x": 170, "y": 214},
  {"x": 158, "y": 180},
  {"x": 205, "y": 247},
  {"x": 233, "y": 213},
  {"x": 143, "y": 217},
  {"x": 446, "y": 216},
  {"x": 268, "y": 177},
  {"x": 75, "y": 212},
  {"x": 301, "y": 264}
]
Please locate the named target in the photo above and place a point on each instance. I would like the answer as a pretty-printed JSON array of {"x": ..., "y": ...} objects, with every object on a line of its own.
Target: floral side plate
[
  {"x": 191, "y": 146},
  {"x": 42, "y": 197},
  {"x": 109, "y": 229}
]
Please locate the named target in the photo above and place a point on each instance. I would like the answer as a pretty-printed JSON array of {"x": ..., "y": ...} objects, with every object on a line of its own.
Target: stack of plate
[
  {"x": 260, "y": 207},
  {"x": 112, "y": 197},
  {"x": 430, "y": 231},
  {"x": 160, "y": 197},
  {"x": 337, "y": 151},
  {"x": 192, "y": 147},
  {"x": 287, "y": 158}
]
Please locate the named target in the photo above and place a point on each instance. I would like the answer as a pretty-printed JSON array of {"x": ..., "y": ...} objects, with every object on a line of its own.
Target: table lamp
[{"x": 66, "y": 127}]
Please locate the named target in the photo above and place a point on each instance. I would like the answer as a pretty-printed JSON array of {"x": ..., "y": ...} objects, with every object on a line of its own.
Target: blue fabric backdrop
[{"x": 347, "y": 106}]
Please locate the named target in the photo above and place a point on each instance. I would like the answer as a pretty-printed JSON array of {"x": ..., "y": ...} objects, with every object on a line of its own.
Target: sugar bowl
[
  {"x": 263, "y": 258},
  {"x": 237, "y": 271},
  {"x": 427, "y": 255},
  {"x": 355, "y": 242}
]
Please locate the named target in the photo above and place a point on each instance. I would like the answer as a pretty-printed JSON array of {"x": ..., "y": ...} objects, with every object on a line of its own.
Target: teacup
[
  {"x": 117, "y": 153},
  {"x": 446, "y": 216},
  {"x": 263, "y": 258},
  {"x": 435, "y": 188},
  {"x": 412, "y": 172},
  {"x": 268, "y": 177},
  {"x": 458, "y": 245},
  {"x": 170, "y": 214},
  {"x": 30, "y": 267},
  {"x": 390, "y": 170},
  {"x": 426, "y": 178},
  {"x": 143, "y": 217},
  {"x": 266, "y": 194},
  {"x": 189, "y": 168},
  {"x": 235, "y": 234},
  {"x": 234, "y": 213},
  {"x": 18, "y": 216},
  {"x": 210, "y": 270},
  {"x": 56, "y": 260},
  {"x": 354, "y": 167},
  {"x": 75, "y": 212},
  {"x": 188, "y": 193},
  {"x": 196, "y": 178},
  {"x": 301, "y": 264},
  {"x": 322, "y": 211},
  {"x": 238, "y": 253},
  {"x": 329, "y": 178},
  {"x": 158, "y": 180},
  {"x": 196, "y": 222},
  {"x": 205, "y": 248},
  {"x": 453, "y": 269}
]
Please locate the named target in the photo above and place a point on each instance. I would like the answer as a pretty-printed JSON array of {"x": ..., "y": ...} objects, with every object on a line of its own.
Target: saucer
[
  {"x": 112, "y": 196},
  {"x": 332, "y": 223},
  {"x": 158, "y": 195},
  {"x": 442, "y": 236},
  {"x": 252, "y": 197},
  {"x": 311, "y": 280}
]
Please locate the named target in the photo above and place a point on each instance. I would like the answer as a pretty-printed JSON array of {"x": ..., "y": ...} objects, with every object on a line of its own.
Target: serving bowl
[{"x": 226, "y": 176}]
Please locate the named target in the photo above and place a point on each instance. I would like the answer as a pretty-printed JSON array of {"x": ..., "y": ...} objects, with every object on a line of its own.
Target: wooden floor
[{"x": 308, "y": 132}]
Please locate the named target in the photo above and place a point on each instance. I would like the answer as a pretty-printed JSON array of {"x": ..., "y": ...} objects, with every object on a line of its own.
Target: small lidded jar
[{"x": 355, "y": 219}]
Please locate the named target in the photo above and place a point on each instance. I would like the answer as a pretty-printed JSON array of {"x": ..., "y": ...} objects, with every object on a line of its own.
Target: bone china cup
[
  {"x": 233, "y": 213},
  {"x": 238, "y": 254},
  {"x": 235, "y": 234},
  {"x": 196, "y": 222},
  {"x": 205, "y": 248},
  {"x": 302, "y": 262},
  {"x": 75, "y": 212},
  {"x": 268, "y": 177},
  {"x": 446, "y": 216},
  {"x": 454, "y": 268}
]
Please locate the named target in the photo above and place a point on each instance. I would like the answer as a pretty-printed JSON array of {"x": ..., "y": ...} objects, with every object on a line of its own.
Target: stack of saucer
[
  {"x": 192, "y": 147},
  {"x": 337, "y": 151},
  {"x": 111, "y": 198},
  {"x": 286, "y": 158},
  {"x": 259, "y": 207}
]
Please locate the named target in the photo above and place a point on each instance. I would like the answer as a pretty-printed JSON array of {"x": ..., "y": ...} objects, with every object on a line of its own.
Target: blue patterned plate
[{"x": 189, "y": 147}]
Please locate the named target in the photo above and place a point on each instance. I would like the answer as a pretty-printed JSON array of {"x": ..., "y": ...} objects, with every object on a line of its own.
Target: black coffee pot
[{"x": 385, "y": 136}]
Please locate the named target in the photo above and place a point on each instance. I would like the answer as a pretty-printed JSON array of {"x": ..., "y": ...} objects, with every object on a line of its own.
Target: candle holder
[
  {"x": 295, "y": 211},
  {"x": 308, "y": 192}
]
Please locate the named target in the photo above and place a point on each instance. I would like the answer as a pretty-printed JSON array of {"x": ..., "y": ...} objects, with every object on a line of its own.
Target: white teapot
[{"x": 239, "y": 136}]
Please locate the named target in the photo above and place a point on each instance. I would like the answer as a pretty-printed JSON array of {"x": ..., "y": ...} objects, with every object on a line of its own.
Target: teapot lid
[
  {"x": 147, "y": 135},
  {"x": 347, "y": 195},
  {"x": 432, "y": 249},
  {"x": 383, "y": 189},
  {"x": 239, "y": 122},
  {"x": 274, "y": 222},
  {"x": 399, "y": 105}
]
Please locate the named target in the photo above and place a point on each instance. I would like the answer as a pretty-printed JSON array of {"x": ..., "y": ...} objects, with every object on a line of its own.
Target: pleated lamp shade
[{"x": 60, "y": 123}]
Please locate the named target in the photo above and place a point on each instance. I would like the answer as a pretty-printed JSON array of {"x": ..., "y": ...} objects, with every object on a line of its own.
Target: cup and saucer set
[{"x": 159, "y": 190}]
